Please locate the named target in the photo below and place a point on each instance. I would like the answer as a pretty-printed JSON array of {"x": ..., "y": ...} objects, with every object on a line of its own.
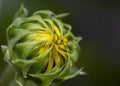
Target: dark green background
[{"x": 97, "y": 21}]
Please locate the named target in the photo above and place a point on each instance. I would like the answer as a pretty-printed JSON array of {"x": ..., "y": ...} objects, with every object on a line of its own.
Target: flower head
[{"x": 42, "y": 47}]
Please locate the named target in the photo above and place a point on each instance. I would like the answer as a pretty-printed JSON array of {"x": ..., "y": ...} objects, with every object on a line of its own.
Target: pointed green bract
[
  {"x": 42, "y": 48},
  {"x": 22, "y": 13}
]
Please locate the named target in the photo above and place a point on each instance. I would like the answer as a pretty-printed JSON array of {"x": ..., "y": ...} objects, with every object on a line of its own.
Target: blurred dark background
[{"x": 97, "y": 21}]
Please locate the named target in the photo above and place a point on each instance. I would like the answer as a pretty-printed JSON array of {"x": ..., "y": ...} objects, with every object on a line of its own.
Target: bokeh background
[{"x": 97, "y": 21}]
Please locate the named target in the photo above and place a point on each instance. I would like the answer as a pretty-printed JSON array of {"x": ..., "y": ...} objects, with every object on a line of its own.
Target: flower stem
[{"x": 7, "y": 76}]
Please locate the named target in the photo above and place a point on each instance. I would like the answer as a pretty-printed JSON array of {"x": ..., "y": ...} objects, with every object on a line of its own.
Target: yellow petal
[
  {"x": 65, "y": 41},
  {"x": 38, "y": 31},
  {"x": 57, "y": 31},
  {"x": 50, "y": 62},
  {"x": 62, "y": 53},
  {"x": 55, "y": 55},
  {"x": 44, "y": 48}
]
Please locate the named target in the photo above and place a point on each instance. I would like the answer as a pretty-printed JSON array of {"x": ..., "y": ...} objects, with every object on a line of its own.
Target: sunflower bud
[{"x": 41, "y": 47}]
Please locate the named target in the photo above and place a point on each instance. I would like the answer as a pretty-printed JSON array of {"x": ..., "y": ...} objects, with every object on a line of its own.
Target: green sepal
[
  {"x": 76, "y": 39},
  {"x": 59, "y": 25},
  {"x": 74, "y": 72},
  {"x": 65, "y": 71},
  {"x": 7, "y": 55},
  {"x": 18, "y": 34},
  {"x": 31, "y": 26},
  {"x": 24, "y": 65},
  {"x": 41, "y": 62},
  {"x": 67, "y": 29},
  {"x": 22, "y": 13},
  {"x": 21, "y": 81},
  {"x": 46, "y": 78},
  {"x": 74, "y": 51},
  {"x": 50, "y": 23},
  {"x": 4, "y": 48},
  {"x": 24, "y": 49},
  {"x": 44, "y": 14},
  {"x": 61, "y": 15},
  {"x": 15, "y": 25},
  {"x": 37, "y": 18},
  {"x": 57, "y": 67}
]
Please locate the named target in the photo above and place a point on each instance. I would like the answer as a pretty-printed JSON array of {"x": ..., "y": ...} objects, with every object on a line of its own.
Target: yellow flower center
[{"x": 58, "y": 53}]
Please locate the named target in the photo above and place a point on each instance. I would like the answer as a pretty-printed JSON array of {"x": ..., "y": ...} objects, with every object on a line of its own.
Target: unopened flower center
[{"x": 58, "y": 53}]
